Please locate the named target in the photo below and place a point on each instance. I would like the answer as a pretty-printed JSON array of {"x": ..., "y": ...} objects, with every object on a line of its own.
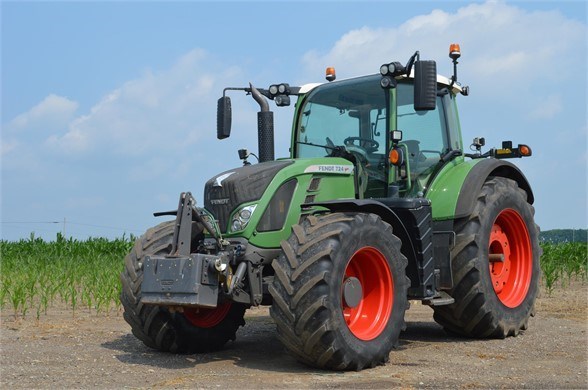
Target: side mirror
[
  {"x": 425, "y": 85},
  {"x": 223, "y": 117}
]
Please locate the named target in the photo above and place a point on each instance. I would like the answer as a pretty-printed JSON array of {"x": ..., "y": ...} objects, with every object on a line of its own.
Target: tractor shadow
[{"x": 258, "y": 348}]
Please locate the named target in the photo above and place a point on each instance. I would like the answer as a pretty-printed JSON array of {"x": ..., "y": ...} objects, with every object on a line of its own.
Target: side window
[
  {"x": 424, "y": 133},
  {"x": 453, "y": 122}
]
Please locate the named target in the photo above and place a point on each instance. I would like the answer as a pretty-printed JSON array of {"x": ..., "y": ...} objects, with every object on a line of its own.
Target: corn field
[
  {"x": 36, "y": 274},
  {"x": 562, "y": 263}
]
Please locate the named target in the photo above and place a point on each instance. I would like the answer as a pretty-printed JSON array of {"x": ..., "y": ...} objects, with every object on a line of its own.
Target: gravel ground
[{"x": 98, "y": 351}]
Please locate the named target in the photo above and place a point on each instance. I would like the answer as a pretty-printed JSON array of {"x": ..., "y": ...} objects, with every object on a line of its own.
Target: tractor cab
[{"x": 360, "y": 120}]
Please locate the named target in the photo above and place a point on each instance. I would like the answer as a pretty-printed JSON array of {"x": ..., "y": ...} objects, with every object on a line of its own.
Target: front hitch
[
  {"x": 183, "y": 278},
  {"x": 186, "y": 214}
]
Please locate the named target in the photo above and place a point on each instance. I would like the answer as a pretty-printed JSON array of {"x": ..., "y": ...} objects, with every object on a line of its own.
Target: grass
[{"x": 35, "y": 274}]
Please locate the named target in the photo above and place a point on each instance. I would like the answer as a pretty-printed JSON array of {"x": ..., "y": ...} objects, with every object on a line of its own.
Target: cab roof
[{"x": 456, "y": 88}]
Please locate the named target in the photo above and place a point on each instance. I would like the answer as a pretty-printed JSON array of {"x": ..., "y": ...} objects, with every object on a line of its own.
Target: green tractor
[{"x": 378, "y": 204}]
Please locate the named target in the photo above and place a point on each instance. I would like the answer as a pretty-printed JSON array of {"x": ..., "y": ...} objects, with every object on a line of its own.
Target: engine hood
[{"x": 231, "y": 188}]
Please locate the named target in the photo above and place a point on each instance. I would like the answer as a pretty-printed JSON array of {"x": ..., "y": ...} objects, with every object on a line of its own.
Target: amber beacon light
[
  {"x": 454, "y": 51},
  {"x": 330, "y": 74}
]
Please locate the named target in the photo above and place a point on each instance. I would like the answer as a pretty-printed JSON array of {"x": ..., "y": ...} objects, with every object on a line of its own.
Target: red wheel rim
[
  {"x": 207, "y": 318},
  {"x": 368, "y": 319},
  {"x": 511, "y": 267}
]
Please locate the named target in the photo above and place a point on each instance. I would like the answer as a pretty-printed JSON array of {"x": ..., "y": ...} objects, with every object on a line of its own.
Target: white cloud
[
  {"x": 548, "y": 108},
  {"x": 6, "y": 146},
  {"x": 161, "y": 111},
  {"x": 50, "y": 114},
  {"x": 502, "y": 45}
]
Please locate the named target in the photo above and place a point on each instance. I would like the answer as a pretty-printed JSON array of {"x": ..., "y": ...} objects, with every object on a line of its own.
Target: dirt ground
[{"x": 98, "y": 351}]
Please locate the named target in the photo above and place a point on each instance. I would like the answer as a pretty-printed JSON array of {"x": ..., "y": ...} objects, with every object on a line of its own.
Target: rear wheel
[
  {"x": 495, "y": 265},
  {"x": 339, "y": 291},
  {"x": 194, "y": 330}
]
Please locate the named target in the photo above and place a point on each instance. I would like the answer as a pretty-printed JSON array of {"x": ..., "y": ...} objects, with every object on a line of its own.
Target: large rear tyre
[
  {"x": 193, "y": 330},
  {"x": 339, "y": 291},
  {"x": 495, "y": 265}
]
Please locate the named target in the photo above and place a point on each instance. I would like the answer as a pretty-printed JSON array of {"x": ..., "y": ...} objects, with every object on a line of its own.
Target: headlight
[
  {"x": 275, "y": 214},
  {"x": 241, "y": 218}
]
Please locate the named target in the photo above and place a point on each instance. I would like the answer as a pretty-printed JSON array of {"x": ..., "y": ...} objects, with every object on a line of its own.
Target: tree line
[{"x": 557, "y": 236}]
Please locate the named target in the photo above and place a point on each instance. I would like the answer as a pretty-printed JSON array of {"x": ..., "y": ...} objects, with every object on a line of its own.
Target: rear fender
[
  {"x": 477, "y": 177},
  {"x": 454, "y": 190}
]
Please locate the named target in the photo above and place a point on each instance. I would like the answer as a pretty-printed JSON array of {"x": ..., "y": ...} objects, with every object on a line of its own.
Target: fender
[
  {"x": 478, "y": 175},
  {"x": 366, "y": 206}
]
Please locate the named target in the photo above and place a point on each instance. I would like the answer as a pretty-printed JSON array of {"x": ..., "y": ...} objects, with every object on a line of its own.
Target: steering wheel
[{"x": 372, "y": 145}]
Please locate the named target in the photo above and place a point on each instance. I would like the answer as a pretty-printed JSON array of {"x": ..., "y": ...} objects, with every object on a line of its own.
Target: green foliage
[
  {"x": 36, "y": 273},
  {"x": 562, "y": 262}
]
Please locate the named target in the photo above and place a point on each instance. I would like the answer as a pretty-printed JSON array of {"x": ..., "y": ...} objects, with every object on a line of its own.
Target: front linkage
[{"x": 198, "y": 268}]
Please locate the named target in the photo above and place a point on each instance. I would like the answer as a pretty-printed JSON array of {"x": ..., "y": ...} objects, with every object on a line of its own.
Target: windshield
[{"x": 348, "y": 113}]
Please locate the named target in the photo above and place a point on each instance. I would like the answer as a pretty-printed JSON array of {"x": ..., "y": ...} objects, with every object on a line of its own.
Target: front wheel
[
  {"x": 193, "y": 330},
  {"x": 495, "y": 265},
  {"x": 340, "y": 291}
]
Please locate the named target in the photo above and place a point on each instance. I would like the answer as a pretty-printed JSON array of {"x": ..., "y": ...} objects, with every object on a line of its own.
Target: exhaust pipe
[{"x": 265, "y": 127}]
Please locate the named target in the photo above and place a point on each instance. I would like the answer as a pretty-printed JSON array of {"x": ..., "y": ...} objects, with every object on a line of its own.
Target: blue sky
[{"x": 108, "y": 109}]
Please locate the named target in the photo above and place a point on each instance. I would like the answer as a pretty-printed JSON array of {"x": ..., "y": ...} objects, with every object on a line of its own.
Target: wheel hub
[
  {"x": 367, "y": 293},
  {"x": 352, "y": 292},
  {"x": 510, "y": 258},
  {"x": 500, "y": 270}
]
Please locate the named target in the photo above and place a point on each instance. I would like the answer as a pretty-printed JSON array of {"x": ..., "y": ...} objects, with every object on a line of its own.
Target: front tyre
[
  {"x": 495, "y": 265},
  {"x": 340, "y": 291},
  {"x": 194, "y": 330}
]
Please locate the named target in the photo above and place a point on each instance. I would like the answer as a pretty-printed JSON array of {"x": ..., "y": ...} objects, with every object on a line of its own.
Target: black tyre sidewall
[
  {"x": 507, "y": 199},
  {"x": 361, "y": 237},
  {"x": 478, "y": 311},
  {"x": 307, "y": 294}
]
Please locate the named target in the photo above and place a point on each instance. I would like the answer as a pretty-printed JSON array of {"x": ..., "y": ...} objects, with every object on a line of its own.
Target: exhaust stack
[{"x": 265, "y": 127}]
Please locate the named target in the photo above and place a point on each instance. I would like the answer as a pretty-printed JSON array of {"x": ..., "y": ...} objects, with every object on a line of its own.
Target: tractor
[{"x": 377, "y": 205}]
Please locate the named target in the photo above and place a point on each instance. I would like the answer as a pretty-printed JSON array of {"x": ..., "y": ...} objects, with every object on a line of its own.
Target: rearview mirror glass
[
  {"x": 223, "y": 117},
  {"x": 425, "y": 85}
]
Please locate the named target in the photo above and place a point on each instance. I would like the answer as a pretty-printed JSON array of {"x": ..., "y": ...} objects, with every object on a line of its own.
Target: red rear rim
[
  {"x": 207, "y": 318},
  {"x": 368, "y": 319},
  {"x": 511, "y": 267}
]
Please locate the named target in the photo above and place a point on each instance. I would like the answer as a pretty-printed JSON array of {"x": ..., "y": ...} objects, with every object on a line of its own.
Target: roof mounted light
[
  {"x": 279, "y": 93},
  {"x": 392, "y": 69},
  {"x": 454, "y": 54},
  {"x": 279, "y": 89},
  {"x": 388, "y": 82},
  {"x": 284, "y": 88},
  {"x": 454, "y": 51},
  {"x": 330, "y": 74}
]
